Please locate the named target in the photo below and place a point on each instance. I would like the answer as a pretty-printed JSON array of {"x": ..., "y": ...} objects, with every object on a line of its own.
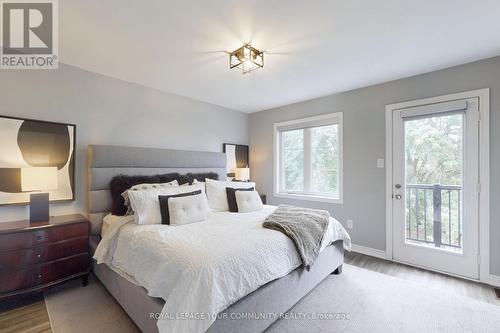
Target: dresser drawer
[
  {"x": 32, "y": 238},
  {"x": 48, "y": 252},
  {"x": 44, "y": 273}
]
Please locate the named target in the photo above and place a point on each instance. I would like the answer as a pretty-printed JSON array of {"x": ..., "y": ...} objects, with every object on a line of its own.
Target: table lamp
[
  {"x": 39, "y": 179},
  {"x": 243, "y": 174}
]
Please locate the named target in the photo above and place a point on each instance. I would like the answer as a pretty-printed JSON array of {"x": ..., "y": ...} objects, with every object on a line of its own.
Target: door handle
[{"x": 397, "y": 196}]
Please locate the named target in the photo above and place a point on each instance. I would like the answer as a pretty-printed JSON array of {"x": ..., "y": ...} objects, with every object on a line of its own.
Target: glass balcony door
[{"x": 435, "y": 207}]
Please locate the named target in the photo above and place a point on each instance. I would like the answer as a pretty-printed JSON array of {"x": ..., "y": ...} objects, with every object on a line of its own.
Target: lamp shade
[
  {"x": 242, "y": 174},
  {"x": 38, "y": 179}
]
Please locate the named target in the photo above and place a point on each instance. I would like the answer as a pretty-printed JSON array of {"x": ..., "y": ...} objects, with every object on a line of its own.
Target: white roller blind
[
  {"x": 453, "y": 106},
  {"x": 307, "y": 123}
]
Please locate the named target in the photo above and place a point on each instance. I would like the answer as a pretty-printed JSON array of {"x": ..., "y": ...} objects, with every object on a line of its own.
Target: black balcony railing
[{"x": 433, "y": 214}]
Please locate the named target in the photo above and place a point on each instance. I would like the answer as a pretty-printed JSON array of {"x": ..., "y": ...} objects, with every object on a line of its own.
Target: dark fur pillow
[
  {"x": 190, "y": 177},
  {"x": 121, "y": 183},
  {"x": 201, "y": 176}
]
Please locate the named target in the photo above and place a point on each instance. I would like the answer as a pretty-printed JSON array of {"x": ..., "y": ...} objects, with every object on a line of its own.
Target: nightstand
[
  {"x": 37, "y": 256},
  {"x": 263, "y": 198}
]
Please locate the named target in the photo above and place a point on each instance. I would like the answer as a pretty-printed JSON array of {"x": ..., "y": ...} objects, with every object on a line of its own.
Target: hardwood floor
[
  {"x": 431, "y": 279},
  {"x": 34, "y": 318}
]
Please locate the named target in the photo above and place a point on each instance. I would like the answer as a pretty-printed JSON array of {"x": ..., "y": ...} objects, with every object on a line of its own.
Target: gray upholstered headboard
[{"x": 105, "y": 162}]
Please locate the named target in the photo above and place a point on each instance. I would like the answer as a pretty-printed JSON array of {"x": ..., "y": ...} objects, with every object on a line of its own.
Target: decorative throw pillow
[
  {"x": 231, "y": 197},
  {"x": 190, "y": 177},
  {"x": 188, "y": 209},
  {"x": 200, "y": 177},
  {"x": 216, "y": 193},
  {"x": 164, "y": 207},
  {"x": 141, "y": 187},
  {"x": 248, "y": 201},
  {"x": 121, "y": 183},
  {"x": 196, "y": 181},
  {"x": 146, "y": 205}
]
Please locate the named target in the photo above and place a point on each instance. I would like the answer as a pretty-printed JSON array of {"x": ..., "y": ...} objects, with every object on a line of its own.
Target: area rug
[
  {"x": 360, "y": 300},
  {"x": 357, "y": 300},
  {"x": 76, "y": 309}
]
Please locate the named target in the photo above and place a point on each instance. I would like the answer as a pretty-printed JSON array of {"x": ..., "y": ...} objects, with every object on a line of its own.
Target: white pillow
[
  {"x": 190, "y": 209},
  {"x": 197, "y": 182},
  {"x": 216, "y": 193},
  {"x": 173, "y": 183},
  {"x": 248, "y": 201},
  {"x": 140, "y": 187},
  {"x": 146, "y": 205}
]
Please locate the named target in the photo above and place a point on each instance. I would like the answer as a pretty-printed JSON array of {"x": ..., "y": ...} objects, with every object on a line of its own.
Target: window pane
[
  {"x": 434, "y": 171},
  {"x": 293, "y": 160},
  {"x": 433, "y": 147},
  {"x": 324, "y": 159}
]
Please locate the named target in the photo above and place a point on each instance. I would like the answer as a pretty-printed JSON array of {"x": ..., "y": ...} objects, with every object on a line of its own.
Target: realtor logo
[{"x": 29, "y": 34}]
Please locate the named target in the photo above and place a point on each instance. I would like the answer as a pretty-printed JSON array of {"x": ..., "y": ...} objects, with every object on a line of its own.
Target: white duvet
[{"x": 200, "y": 269}]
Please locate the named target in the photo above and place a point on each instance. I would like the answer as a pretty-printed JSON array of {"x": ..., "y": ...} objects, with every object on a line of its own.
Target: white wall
[
  {"x": 110, "y": 111},
  {"x": 364, "y": 142}
]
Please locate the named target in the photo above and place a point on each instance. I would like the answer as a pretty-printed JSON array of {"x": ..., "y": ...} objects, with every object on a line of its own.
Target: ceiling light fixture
[{"x": 246, "y": 58}]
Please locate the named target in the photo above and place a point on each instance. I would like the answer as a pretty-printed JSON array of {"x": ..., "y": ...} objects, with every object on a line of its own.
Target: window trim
[{"x": 338, "y": 117}]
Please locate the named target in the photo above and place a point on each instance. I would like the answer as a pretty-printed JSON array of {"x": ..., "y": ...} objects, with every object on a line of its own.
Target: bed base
[{"x": 276, "y": 297}]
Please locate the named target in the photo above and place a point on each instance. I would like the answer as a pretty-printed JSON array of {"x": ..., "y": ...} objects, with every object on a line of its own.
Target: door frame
[{"x": 484, "y": 171}]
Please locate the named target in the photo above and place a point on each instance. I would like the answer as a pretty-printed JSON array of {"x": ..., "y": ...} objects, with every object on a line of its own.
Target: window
[{"x": 308, "y": 158}]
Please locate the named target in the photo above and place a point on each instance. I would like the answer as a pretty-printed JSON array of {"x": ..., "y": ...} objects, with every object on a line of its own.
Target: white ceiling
[{"x": 314, "y": 48}]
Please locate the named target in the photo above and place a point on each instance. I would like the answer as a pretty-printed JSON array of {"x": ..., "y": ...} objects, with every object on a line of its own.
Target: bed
[{"x": 274, "y": 297}]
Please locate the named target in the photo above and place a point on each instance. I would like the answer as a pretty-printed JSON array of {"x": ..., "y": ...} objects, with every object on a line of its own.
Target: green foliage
[
  {"x": 433, "y": 156},
  {"x": 293, "y": 159},
  {"x": 324, "y": 159},
  {"x": 434, "y": 150}
]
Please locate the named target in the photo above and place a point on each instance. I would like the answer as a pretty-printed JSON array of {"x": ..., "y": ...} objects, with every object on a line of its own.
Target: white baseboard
[
  {"x": 492, "y": 280},
  {"x": 368, "y": 251}
]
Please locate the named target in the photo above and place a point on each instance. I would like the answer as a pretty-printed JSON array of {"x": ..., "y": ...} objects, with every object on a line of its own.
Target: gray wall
[
  {"x": 110, "y": 111},
  {"x": 364, "y": 142}
]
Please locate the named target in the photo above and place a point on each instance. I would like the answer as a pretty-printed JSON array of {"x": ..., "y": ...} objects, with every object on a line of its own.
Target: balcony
[{"x": 433, "y": 216}]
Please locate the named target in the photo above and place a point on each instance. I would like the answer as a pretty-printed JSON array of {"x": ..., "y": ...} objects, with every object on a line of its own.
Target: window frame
[{"x": 322, "y": 120}]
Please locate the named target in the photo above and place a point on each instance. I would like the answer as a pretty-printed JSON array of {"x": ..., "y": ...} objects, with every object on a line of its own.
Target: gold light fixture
[{"x": 246, "y": 58}]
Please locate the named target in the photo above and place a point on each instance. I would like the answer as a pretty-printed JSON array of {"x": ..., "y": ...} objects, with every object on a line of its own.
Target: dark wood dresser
[{"x": 36, "y": 256}]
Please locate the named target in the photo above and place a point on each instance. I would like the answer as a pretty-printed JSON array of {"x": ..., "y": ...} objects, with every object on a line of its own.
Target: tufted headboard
[{"x": 105, "y": 162}]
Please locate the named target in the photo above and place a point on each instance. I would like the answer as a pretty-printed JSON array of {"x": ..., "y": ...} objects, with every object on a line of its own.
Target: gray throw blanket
[{"x": 306, "y": 227}]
